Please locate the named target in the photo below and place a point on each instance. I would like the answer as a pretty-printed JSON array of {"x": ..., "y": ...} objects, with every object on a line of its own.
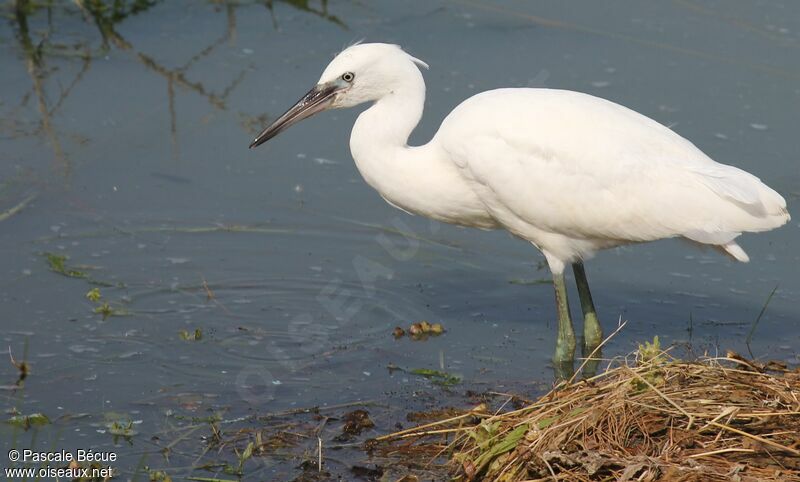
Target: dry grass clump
[{"x": 652, "y": 418}]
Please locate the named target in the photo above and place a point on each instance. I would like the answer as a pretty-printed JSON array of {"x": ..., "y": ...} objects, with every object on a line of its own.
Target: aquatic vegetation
[
  {"x": 58, "y": 264},
  {"x": 652, "y": 355},
  {"x": 241, "y": 458},
  {"x": 651, "y": 352},
  {"x": 121, "y": 428},
  {"x": 104, "y": 308},
  {"x": 158, "y": 476},
  {"x": 93, "y": 295},
  {"x": 438, "y": 377},
  {"x": 196, "y": 335},
  {"x": 488, "y": 439},
  {"x": 28, "y": 421}
]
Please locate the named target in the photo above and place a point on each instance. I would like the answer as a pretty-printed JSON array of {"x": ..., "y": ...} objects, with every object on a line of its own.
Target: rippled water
[{"x": 125, "y": 140}]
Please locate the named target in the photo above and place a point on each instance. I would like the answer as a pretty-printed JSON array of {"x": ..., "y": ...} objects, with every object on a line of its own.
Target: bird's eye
[{"x": 348, "y": 76}]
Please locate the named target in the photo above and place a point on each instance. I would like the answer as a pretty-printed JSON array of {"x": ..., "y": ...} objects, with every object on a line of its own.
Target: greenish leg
[
  {"x": 565, "y": 341},
  {"x": 592, "y": 332}
]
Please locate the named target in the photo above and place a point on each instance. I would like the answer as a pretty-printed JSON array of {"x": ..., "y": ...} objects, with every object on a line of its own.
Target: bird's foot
[
  {"x": 592, "y": 334},
  {"x": 565, "y": 346},
  {"x": 563, "y": 370},
  {"x": 564, "y": 357}
]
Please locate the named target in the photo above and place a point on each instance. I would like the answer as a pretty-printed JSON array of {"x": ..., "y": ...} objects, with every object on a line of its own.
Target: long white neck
[
  {"x": 421, "y": 180},
  {"x": 380, "y": 135}
]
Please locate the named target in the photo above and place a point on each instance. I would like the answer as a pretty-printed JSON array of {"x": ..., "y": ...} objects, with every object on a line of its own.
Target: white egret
[{"x": 569, "y": 172}]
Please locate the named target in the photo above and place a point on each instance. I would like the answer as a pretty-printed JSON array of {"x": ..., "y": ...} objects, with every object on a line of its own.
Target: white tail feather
[
  {"x": 756, "y": 197},
  {"x": 735, "y": 251}
]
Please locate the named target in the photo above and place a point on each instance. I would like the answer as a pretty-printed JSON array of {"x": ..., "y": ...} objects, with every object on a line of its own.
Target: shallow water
[{"x": 125, "y": 148}]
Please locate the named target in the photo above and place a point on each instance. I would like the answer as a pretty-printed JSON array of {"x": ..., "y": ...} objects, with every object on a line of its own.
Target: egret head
[{"x": 361, "y": 73}]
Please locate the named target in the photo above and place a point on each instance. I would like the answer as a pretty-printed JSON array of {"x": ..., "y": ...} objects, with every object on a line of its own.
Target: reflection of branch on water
[
  {"x": 106, "y": 15},
  {"x": 305, "y": 6},
  {"x": 173, "y": 118},
  {"x": 178, "y": 75},
  {"x": 35, "y": 53},
  {"x": 253, "y": 124},
  {"x": 34, "y": 68},
  {"x": 180, "y": 79},
  {"x": 229, "y": 36},
  {"x": 174, "y": 76},
  {"x": 65, "y": 92},
  {"x": 588, "y": 29},
  {"x": 739, "y": 23}
]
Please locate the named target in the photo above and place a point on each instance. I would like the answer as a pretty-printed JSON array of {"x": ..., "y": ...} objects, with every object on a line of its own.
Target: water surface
[{"x": 125, "y": 138}]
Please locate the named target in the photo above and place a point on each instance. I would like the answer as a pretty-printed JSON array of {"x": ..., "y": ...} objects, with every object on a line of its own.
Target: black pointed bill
[{"x": 316, "y": 100}]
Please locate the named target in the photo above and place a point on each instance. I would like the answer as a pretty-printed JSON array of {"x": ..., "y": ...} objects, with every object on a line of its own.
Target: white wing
[{"x": 555, "y": 165}]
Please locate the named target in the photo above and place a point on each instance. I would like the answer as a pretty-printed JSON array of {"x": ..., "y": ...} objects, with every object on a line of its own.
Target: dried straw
[{"x": 652, "y": 418}]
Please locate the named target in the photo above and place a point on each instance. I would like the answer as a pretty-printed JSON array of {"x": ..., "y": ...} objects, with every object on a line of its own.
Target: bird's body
[{"x": 569, "y": 172}]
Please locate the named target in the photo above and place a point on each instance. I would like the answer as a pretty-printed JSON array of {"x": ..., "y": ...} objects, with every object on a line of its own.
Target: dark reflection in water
[{"x": 47, "y": 50}]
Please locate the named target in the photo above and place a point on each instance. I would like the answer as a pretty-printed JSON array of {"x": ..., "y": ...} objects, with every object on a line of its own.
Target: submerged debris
[
  {"x": 434, "y": 414},
  {"x": 22, "y": 367},
  {"x": 436, "y": 329},
  {"x": 654, "y": 418},
  {"x": 419, "y": 331},
  {"x": 366, "y": 473},
  {"x": 17, "y": 207},
  {"x": 355, "y": 422}
]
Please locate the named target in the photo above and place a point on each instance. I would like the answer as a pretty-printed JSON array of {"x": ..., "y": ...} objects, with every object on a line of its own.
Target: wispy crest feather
[
  {"x": 413, "y": 59},
  {"x": 417, "y": 61}
]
